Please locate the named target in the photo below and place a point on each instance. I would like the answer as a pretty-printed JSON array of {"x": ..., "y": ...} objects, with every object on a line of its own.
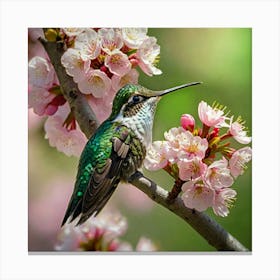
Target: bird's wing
[
  {"x": 92, "y": 158},
  {"x": 97, "y": 179},
  {"x": 115, "y": 158},
  {"x": 105, "y": 176}
]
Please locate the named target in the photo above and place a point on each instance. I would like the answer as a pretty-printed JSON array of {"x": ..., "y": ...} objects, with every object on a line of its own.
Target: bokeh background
[{"x": 222, "y": 59}]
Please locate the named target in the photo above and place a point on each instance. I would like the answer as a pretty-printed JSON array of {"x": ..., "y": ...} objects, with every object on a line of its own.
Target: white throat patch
[{"x": 142, "y": 122}]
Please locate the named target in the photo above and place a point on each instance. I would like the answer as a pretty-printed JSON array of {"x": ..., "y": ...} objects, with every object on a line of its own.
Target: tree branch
[
  {"x": 202, "y": 223},
  {"x": 77, "y": 101},
  {"x": 216, "y": 235}
]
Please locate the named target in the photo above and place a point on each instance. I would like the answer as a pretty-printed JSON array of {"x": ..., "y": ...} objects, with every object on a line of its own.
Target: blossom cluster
[
  {"x": 43, "y": 87},
  {"x": 202, "y": 160},
  {"x": 100, "y": 61},
  {"x": 101, "y": 233}
]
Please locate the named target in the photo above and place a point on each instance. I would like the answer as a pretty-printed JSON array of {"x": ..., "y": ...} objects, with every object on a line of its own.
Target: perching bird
[{"x": 116, "y": 150}]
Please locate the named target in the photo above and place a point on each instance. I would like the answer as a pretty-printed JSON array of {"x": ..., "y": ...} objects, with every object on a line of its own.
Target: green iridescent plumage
[
  {"x": 100, "y": 162},
  {"x": 115, "y": 151},
  {"x": 122, "y": 98}
]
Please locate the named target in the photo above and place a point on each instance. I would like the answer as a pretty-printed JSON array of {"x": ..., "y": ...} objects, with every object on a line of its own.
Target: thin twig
[
  {"x": 202, "y": 223},
  {"x": 176, "y": 189}
]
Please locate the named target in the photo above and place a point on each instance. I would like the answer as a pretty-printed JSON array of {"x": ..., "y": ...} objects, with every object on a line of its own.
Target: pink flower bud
[
  {"x": 187, "y": 122},
  {"x": 98, "y": 233},
  {"x": 113, "y": 246},
  {"x": 52, "y": 107},
  {"x": 214, "y": 133},
  {"x": 104, "y": 69},
  {"x": 134, "y": 62},
  {"x": 59, "y": 100},
  {"x": 51, "y": 110}
]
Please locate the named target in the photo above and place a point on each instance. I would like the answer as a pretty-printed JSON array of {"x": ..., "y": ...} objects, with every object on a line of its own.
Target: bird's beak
[{"x": 163, "y": 92}]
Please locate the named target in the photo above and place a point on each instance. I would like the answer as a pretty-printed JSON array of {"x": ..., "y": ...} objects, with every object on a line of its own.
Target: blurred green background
[{"x": 219, "y": 57}]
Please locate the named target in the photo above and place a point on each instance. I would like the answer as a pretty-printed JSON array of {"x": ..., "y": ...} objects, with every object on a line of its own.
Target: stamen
[{"x": 217, "y": 106}]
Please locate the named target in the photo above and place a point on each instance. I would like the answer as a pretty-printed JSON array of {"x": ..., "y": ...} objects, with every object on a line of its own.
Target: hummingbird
[{"x": 116, "y": 150}]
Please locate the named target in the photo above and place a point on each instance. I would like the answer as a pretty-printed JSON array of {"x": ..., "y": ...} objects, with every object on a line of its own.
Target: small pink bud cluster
[
  {"x": 101, "y": 233},
  {"x": 202, "y": 160},
  {"x": 101, "y": 61}
]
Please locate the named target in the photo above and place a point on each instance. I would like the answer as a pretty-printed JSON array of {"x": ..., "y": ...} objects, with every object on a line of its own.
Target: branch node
[
  {"x": 73, "y": 93},
  {"x": 60, "y": 46}
]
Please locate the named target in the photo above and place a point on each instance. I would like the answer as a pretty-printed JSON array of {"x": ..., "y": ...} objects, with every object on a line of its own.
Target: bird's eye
[{"x": 136, "y": 99}]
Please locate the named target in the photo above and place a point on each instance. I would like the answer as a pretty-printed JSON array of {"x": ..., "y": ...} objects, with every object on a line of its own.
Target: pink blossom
[
  {"x": 35, "y": 33},
  {"x": 120, "y": 246},
  {"x": 218, "y": 175},
  {"x": 41, "y": 80},
  {"x": 75, "y": 66},
  {"x": 70, "y": 31},
  {"x": 35, "y": 48},
  {"x": 191, "y": 146},
  {"x": 69, "y": 239},
  {"x": 95, "y": 82},
  {"x": 187, "y": 122},
  {"x": 223, "y": 200},
  {"x": 147, "y": 55},
  {"x": 239, "y": 134},
  {"x": 70, "y": 142},
  {"x": 145, "y": 245},
  {"x": 130, "y": 78},
  {"x": 238, "y": 160},
  {"x": 134, "y": 37},
  {"x": 118, "y": 63},
  {"x": 191, "y": 169},
  {"x": 40, "y": 72},
  {"x": 44, "y": 102},
  {"x": 39, "y": 99},
  {"x": 172, "y": 137},
  {"x": 197, "y": 196},
  {"x": 184, "y": 145},
  {"x": 52, "y": 107},
  {"x": 99, "y": 233},
  {"x": 112, "y": 222},
  {"x": 211, "y": 116},
  {"x": 110, "y": 40},
  {"x": 102, "y": 106},
  {"x": 88, "y": 44},
  {"x": 158, "y": 155}
]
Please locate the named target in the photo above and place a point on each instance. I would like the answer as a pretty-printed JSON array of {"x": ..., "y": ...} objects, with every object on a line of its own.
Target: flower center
[
  {"x": 80, "y": 64},
  {"x": 193, "y": 148},
  {"x": 116, "y": 59},
  {"x": 96, "y": 80}
]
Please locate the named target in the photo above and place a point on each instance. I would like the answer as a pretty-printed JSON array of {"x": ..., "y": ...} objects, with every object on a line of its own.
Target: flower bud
[
  {"x": 104, "y": 69},
  {"x": 51, "y": 35},
  {"x": 134, "y": 62},
  {"x": 187, "y": 122}
]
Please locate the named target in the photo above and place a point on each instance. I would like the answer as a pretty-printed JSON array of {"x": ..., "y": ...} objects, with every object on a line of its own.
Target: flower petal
[
  {"x": 96, "y": 83},
  {"x": 118, "y": 63}
]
